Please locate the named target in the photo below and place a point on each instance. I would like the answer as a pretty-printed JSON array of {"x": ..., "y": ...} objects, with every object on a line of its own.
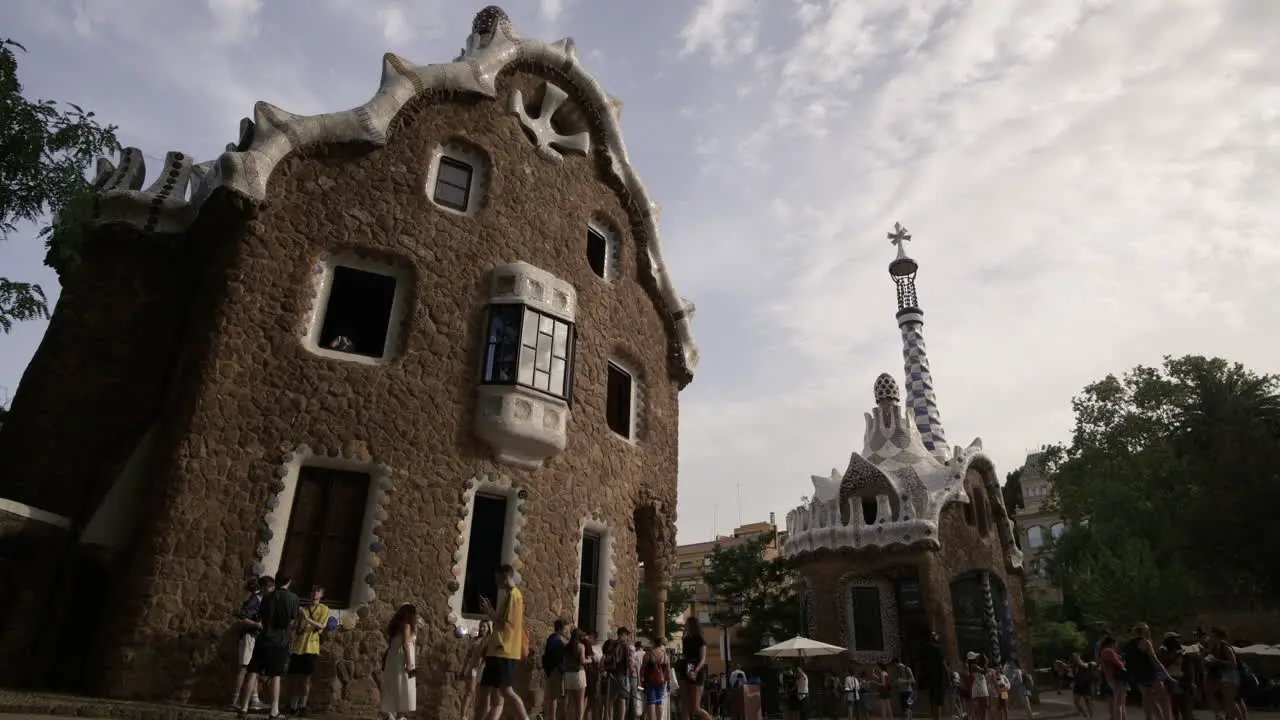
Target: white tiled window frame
[
  {"x": 605, "y": 572},
  {"x": 502, "y": 488},
  {"x": 466, "y": 153},
  {"x": 278, "y": 520},
  {"x": 400, "y": 306},
  {"x": 637, "y": 399}
]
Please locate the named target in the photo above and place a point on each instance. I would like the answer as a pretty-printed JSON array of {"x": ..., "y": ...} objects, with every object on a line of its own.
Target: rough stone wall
[
  {"x": 823, "y": 572},
  {"x": 964, "y": 549},
  {"x": 100, "y": 373},
  {"x": 257, "y": 390}
]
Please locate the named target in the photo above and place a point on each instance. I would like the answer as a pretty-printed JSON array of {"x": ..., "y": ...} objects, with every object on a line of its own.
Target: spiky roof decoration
[{"x": 246, "y": 167}]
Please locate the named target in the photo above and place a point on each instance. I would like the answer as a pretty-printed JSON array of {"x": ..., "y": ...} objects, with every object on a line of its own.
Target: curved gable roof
[{"x": 246, "y": 168}]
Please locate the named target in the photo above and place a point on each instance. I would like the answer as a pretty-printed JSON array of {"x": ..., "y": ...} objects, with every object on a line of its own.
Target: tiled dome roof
[{"x": 886, "y": 388}]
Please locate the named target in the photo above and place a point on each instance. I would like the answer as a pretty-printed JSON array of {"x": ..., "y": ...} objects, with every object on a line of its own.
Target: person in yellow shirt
[
  {"x": 506, "y": 645},
  {"x": 306, "y": 648}
]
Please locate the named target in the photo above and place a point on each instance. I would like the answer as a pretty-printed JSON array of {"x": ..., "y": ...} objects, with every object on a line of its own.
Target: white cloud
[
  {"x": 234, "y": 20},
  {"x": 1090, "y": 186},
  {"x": 726, "y": 28}
]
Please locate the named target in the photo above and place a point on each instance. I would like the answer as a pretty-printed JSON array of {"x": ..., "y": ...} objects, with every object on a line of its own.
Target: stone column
[
  {"x": 660, "y": 612},
  {"x": 936, "y": 587}
]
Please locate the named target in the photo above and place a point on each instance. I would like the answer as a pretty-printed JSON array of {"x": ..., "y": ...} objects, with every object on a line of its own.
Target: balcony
[{"x": 819, "y": 526}]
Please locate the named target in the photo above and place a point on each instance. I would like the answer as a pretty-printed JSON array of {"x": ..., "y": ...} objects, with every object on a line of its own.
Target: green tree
[
  {"x": 1054, "y": 640},
  {"x": 678, "y": 600},
  {"x": 1012, "y": 491},
  {"x": 45, "y": 150},
  {"x": 1167, "y": 467},
  {"x": 761, "y": 592}
]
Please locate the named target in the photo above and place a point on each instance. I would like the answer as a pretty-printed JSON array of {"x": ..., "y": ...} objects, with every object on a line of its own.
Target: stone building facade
[
  {"x": 913, "y": 537},
  {"x": 1038, "y": 526},
  {"x": 383, "y": 350}
]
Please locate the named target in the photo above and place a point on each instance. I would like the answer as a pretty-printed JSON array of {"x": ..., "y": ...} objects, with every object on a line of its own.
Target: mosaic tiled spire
[
  {"x": 989, "y": 617},
  {"x": 919, "y": 381}
]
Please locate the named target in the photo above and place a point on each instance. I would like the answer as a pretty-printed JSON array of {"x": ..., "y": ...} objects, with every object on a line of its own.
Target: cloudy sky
[{"x": 1091, "y": 184}]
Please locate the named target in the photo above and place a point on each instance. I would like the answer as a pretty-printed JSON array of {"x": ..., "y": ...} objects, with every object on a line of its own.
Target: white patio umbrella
[{"x": 800, "y": 647}]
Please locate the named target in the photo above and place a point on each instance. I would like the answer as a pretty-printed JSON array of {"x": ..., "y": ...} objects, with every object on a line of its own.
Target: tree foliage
[
  {"x": 1166, "y": 485},
  {"x": 678, "y": 600},
  {"x": 764, "y": 590},
  {"x": 1012, "y": 491},
  {"x": 1057, "y": 640},
  {"x": 45, "y": 150}
]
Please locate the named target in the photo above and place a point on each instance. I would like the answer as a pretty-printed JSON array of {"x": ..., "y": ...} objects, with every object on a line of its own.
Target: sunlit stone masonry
[
  {"x": 913, "y": 536},
  {"x": 386, "y": 350}
]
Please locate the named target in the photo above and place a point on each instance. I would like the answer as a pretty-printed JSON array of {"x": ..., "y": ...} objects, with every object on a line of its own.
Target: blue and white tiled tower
[{"x": 919, "y": 382}]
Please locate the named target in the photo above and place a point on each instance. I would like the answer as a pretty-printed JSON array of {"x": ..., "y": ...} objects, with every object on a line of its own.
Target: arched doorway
[{"x": 980, "y": 609}]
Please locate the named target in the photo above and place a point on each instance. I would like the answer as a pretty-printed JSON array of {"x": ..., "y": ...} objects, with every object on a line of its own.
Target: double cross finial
[{"x": 899, "y": 236}]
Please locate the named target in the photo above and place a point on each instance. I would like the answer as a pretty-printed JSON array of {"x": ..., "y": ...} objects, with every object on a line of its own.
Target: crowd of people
[
  {"x": 280, "y": 639},
  {"x": 621, "y": 678},
  {"x": 1166, "y": 680}
]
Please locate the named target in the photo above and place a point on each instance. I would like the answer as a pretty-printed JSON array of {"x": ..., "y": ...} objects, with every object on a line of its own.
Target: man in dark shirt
[
  {"x": 248, "y": 624},
  {"x": 277, "y": 613},
  {"x": 933, "y": 674},
  {"x": 552, "y": 662}
]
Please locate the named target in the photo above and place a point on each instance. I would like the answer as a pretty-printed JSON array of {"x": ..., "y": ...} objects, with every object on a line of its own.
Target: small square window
[
  {"x": 598, "y": 253},
  {"x": 619, "y": 401},
  {"x": 453, "y": 183},
  {"x": 357, "y": 315}
]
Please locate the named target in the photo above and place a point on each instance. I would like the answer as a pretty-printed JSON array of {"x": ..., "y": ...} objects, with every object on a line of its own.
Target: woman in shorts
[
  {"x": 654, "y": 671},
  {"x": 1149, "y": 674},
  {"x": 1081, "y": 686}
]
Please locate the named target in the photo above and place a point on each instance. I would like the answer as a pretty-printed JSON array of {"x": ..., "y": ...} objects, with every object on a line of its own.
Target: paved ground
[{"x": 40, "y": 706}]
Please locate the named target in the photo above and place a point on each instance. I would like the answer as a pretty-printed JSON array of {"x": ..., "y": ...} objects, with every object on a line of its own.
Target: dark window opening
[
  {"x": 529, "y": 348},
  {"x": 618, "y": 401},
  {"x": 484, "y": 552},
  {"x": 869, "y": 511},
  {"x": 597, "y": 253},
  {"x": 453, "y": 184},
  {"x": 357, "y": 316},
  {"x": 868, "y": 629},
  {"x": 968, "y": 513},
  {"x": 589, "y": 583},
  {"x": 322, "y": 544},
  {"x": 984, "y": 521}
]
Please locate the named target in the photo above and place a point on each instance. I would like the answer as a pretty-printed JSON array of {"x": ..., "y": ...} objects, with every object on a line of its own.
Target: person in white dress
[{"x": 399, "y": 665}]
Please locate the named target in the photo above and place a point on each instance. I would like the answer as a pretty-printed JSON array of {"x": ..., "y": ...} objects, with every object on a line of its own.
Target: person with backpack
[
  {"x": 616, "y": 663},
  {"x": 1222, "y": 656},
  {"x": 553, "y": 668},
  {"x": 248, "y": 624},
  {"x": 653, "y": 675},
  {"x": 278, "y": 612},
  {"x": 1147, "y": 672}
]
